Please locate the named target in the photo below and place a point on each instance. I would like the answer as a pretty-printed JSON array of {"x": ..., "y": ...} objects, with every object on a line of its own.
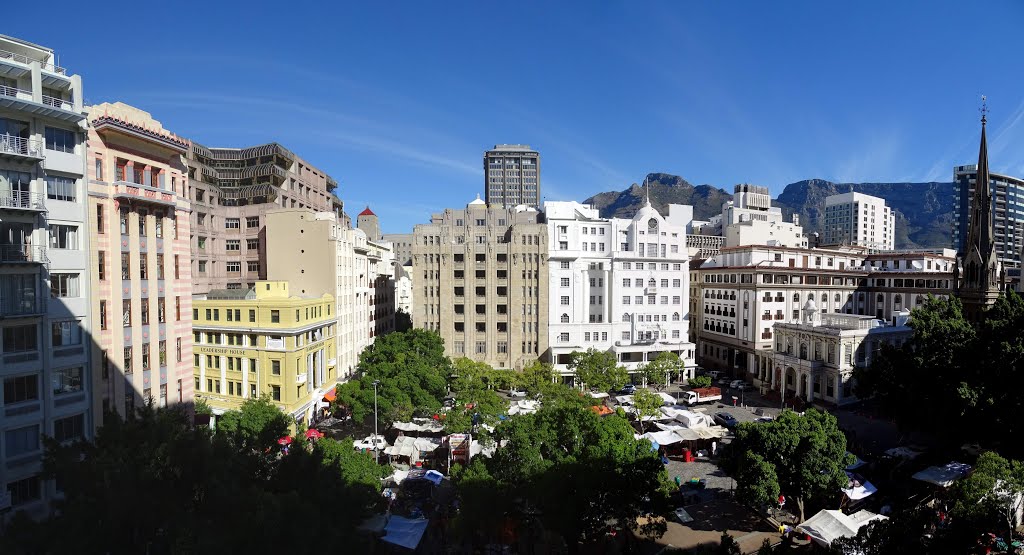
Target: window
[
  {"x": 275, "y": 392},
  {"x": 145, "y": 355},
  {"x": 19, "y": 389},
  {"x": 252, "y": 317},
  {"x": 63, "y": 237},
  {"x": 252, "y": 266},
  {"x": 275, "y": 316},
  {"x": 202, "y": 266},
  {"x": 144, "y": 304},
  {"x": 70, "y": 428},
  {"x": 233, "y": 245},
  {"x": 60, "y": 188},
  {"x": 565, "y": 282},
  {"x": 124, "y": 221},
  {"x": 66, "y": 333},
  {"x": 162, "y": 352},
  {"x": 99, "y": 169},
  {"x": 67, "y": 380},
  {"x": 21, "y": 441},
  {"x": 126, "y": 312},
  {"x": 63, "y": 285},
  {"x": 232, "y": 223},
  {"x": 142, "y": 222},
  {"x": 233, "y": 267},
  {"x": 60, "y": 140},
  {"x": 564, "y": 264},
  {"x": 564, "y": 300},
  {"x": 103, "y": 315},
  {"x": 161, "y": 311},
  {"x": 252, "y": 244},
  {"x": 143, "y": 266},
  {"x": 252, "y": 222},
  {"x": 158, "y": 224}
]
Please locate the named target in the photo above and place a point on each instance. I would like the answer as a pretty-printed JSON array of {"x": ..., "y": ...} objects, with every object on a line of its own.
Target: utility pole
[{"x": 376, "y": 450}]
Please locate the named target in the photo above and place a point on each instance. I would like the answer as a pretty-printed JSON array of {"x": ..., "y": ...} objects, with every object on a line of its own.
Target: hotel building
[
  {"x": 264, "y": 341},
  {"x": 859, "y": 219},
  {"x": 141, "y": 289},
  {"x": 618, "y": 285},
  {"x": 44, "y": 222}
]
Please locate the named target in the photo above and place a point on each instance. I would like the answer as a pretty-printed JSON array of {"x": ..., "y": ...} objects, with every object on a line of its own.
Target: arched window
[
  {"x": 803, "y": 351},
  {"x": 565, "y": 318},
  {"x": 897, "y": 299},
  {"x": 651, "y": 282},
  {"x": 625, "y": 317},
  {"x": 675, "y": 316},
  {"x": 796, "y": 297},
  {"x": 838, "y": 298},
  {"x": 880, "y": 297},
  {"x": 810, "y": 296},
  {"x": 919, "y": 300}
]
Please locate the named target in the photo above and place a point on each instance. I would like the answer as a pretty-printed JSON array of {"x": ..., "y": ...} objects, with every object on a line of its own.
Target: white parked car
[
  {"x": 369, "y": 442},
  {"x": 737, "y": 384},
  {"x": 516, "y": 393}
]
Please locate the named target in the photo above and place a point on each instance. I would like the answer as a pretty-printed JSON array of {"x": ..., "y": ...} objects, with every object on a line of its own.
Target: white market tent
[
  {"x": 856, "y": 463},
  {"x": 406, "y": 532},
  {"x": 943, "y": 476},
  {"x": 408, "y": 446},
  {"x": 858, "y": 488},
  {"x": 828, "y": 525},
  {"x": 419, "y": 425},
  {"x": 599, "y": 395},
  {"x": 666, "y": 399},
  {"x": 523, "y": 406}
]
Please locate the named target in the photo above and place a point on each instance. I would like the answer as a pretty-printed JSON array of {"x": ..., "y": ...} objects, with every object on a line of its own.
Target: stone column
[
  {"x": 245, "y": 378},
  {"x": 223, "y": 375},
  {"x": 202, "y": 372}
]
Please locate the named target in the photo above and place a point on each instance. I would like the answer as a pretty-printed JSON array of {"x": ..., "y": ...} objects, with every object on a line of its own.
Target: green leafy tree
[
  {"x": 574, "y": 469},
  {"x": 807, "y": 453},
  {"x": 537, "y": 377},
  {"x": 475, "y": 398},
  {"x": 699, "y": 381},
  {"x": 991, "y": 497},
  {"x": 403, "y": 320},
  {"x": 202, "y": 407},
  {"x": 757, "y": 483},
  {"x": 258, "y": 424},
  {"x": 413, "y": 374},
  {"x": 646, "y": 405},
  {"x": 657, "y": 372},
  {"x": 154, "y": 484},
  {"x": 598, "y": 369}
]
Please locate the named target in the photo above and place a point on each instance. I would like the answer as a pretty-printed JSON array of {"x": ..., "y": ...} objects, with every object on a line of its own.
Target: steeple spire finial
[
  {"x": 983, "y": 109},
  {"x": 647, "y": 190}
]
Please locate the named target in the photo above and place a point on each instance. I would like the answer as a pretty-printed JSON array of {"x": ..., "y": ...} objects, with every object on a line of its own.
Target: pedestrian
[
  {"x": 714, "y": 448},
  {"x": 782, "y": 501}
]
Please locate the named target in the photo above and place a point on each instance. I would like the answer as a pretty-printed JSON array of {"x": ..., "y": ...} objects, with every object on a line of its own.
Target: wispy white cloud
[{"x": 877, "y": 156}]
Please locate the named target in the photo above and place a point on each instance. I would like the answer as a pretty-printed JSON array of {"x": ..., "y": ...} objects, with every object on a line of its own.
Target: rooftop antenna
[
  {"x": 984, "y": 108},
  {"x": 647, "y": 190}
]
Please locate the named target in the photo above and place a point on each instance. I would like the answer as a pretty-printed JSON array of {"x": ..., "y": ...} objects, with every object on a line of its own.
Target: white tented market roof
[
  {"x": 828, "y": 526},
  {"x": 943, "y": 476}
]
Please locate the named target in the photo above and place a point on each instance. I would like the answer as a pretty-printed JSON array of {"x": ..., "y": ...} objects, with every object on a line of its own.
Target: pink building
[{"x": 140, "y": 261}]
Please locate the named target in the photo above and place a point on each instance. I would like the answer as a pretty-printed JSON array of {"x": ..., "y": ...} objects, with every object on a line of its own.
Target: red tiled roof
[{"x": 367, "y": 212}]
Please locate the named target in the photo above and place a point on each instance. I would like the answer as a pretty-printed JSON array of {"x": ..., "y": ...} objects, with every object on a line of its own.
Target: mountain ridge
[{"x": 924, "y": 211}]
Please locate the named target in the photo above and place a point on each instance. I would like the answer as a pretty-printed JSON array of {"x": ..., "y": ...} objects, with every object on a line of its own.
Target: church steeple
[{"x": 982, "y": 272}]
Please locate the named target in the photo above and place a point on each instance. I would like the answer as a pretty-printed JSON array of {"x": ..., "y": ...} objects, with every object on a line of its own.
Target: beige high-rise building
[
  {"x": 481, "y": 277},
  {"x": 231, "y": 190}
]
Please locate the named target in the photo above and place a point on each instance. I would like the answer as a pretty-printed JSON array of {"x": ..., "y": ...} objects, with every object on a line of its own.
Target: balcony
[
  {"x": 20, "y": 148},
  {"x": 134, "y": 192},
  {"x": 22, "y": 306},
  {"x": 15, "y": 93},
  {"x": 650, "y": 291},
  {"x": 22, "y": 200},
  {"x": 23, "y": 254},
  {"x": 59, "y": 103},
  {"x": 22, "y": 59}
]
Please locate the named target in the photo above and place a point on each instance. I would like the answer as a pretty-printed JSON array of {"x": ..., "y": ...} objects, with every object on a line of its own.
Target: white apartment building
[
  {"x": 44, "y": 235},
  {"x": 617, "y": 285},
  {"x": 744, "y": 292},
  {"x": 748, "y": 219},
  {"x": 859, "y": 219}
]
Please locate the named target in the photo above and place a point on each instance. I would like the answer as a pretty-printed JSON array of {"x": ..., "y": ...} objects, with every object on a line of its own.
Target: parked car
[
  {"x": 369, "y": 442},
  {"x": 764, "y": 419},
  {"x": 725, "y": 419},
  {"x": 516, "y": 393},
  {"x": 736, "y": 384},
  {"x": 713, "y": 373},
  {"x": 743, "y": 386},
  {"x": 628, "y": 389},
  {"x": 724, "y": 381}
]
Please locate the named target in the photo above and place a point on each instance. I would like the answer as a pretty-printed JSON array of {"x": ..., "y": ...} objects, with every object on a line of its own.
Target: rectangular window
[
  {"x": 275, "y": 367},
  {"x": 159, "y": 266},
  {"x": 60, "y": 188},
  {"x": 63, "y": 237},
  {"x": 60, "y": 140},
  {"x": 70, "y": 428},
  {"x": 233, "y": 245},
  {"x": 158, "y": 224},
  {"x": 144, "y": 305},
  {"x": 143, "y": 266},
  {"x": 233, "y": 267},
  {"x": 103, "y": 315},
  {"x": 66, "y": 333},
  {"x": 126, "y": 312},
  {"x": 67, "y": 380},
  {"x": 63, "y": 285},
  {"x": 252, "y": 222},
  {"x": 123, "y": 216},
  {"x": 21, "y": 441},
  {"x": 565, "y": 282},
  {"x": 232, "y": 223},
  {"x": 161, "y": 311},
  {"x": 565, "y": 300},
  {"x": 145, "y": 356},
  {"x": 143, "y": 215},
  {"x": 19, "y": 389},
  {"x": 252, "y": 266},
  {"x": 101, "y": 264},
  {"x": 275, "y": 392},
  {"x": 162, "y": 353},
  {"x": 252, "y": 244},
  {"x": 252, "y": 315}
]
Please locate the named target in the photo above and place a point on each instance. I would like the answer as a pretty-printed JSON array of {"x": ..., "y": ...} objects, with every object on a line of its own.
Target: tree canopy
[
  {"x": 598, "y": 369},
  {"x": 657, "y": 372},
  {"x": 646, "y": 405},
  {"x": 476, "y": 401},
  {"x": 972, "y": 373},
  {"x": 537, "y": 377},
  {"x": 699, "y": 381},
  {"x": 570, "y": 468},
  {"x": 413, "y": 374},
  {"x": 154, "y": 484},
  {"x": 807, "y": 453}
]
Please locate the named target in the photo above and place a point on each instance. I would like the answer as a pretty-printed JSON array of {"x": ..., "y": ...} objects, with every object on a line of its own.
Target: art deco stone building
[{"x": 481, "y": 275}]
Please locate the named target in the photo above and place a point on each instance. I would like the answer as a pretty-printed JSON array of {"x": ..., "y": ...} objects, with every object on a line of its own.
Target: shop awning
[{"x": 331, "y": 395}]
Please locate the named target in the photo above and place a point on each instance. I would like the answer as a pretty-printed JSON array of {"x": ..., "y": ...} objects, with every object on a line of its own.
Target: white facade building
[
  {"x": 44, "y": 238},
  {"x": 859, "y": 219},
  {"x": 617, "y": 285}
]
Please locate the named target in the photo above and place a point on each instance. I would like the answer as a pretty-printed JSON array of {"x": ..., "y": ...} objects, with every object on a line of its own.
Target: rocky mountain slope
[{"x": 924, "y": 211}]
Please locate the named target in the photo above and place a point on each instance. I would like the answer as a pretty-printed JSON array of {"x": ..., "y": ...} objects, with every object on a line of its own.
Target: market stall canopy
[
  {"x": 624, "y": 400},
  {"x": 406, "y": 532},
  {"x": 313, "y": 433},
  {"x": 601, "y": 410},
  {"x": 662, "y": 438},
  {"x": 523, "y": 406},
  {"x": 858, "y": 488},
  {"x": 856, "y": 463},
  {"x": 407, "y": 446},
  {"x": 331, "y": 394},
  {"x": 433, "y": 477},
  {"x": 693, "y": 434},
  {"x": 667, "y": 399},
  {"x": 908, "y": 453},
  {"x": 828, "y": 526},
  {"x": 419, "y": 425},
  {"x": 599, "y": 395},
  {"x": 943, "y": 476}
]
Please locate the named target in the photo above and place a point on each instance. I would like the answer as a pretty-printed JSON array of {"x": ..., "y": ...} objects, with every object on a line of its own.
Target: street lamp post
[{"x": 376, "y": 451}]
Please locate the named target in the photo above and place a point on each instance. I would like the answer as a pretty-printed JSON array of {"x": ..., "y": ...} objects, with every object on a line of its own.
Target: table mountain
[{"x": 924, "y": 211}]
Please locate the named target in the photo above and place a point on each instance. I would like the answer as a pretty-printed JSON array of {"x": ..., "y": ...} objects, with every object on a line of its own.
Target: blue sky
[{"x": 398, "y": 100}]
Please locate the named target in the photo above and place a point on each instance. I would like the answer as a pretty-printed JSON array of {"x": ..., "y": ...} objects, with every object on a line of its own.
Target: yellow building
[{"x": 264, "y": 342}]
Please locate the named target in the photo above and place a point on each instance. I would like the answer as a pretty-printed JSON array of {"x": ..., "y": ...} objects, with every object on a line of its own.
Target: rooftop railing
[{"x": 23, "y": 59}]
